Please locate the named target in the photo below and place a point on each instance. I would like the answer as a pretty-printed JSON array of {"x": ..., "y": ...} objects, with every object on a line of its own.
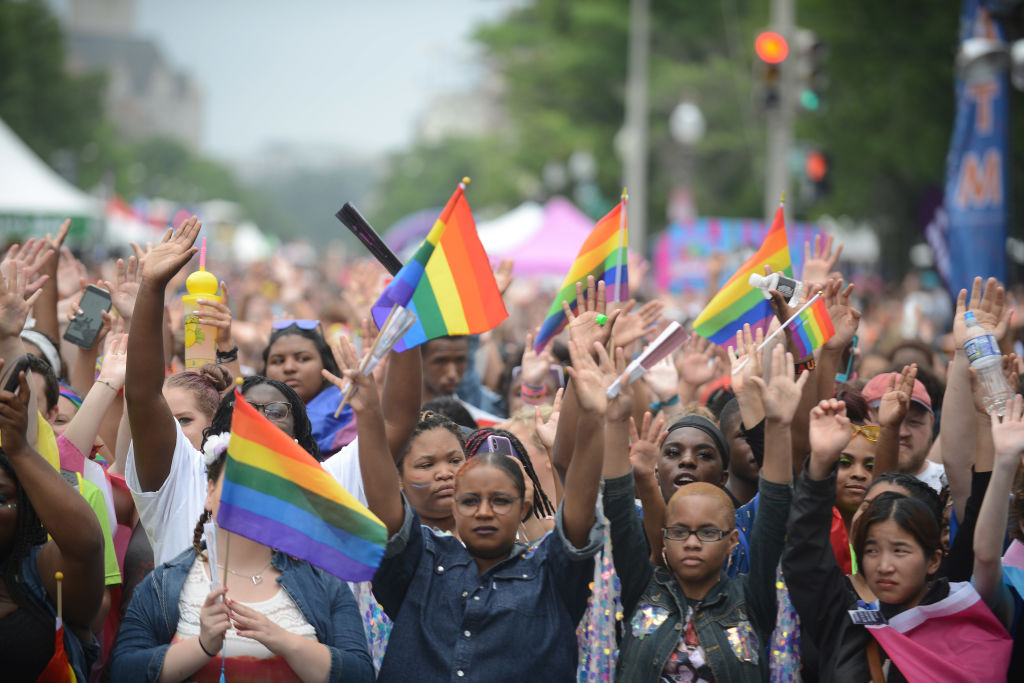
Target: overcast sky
[{"x": 352, "y": 74}]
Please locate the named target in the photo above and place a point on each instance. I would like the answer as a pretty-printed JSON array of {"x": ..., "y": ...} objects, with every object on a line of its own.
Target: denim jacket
[
  {"x": 515, "y": 622},
  {"x": 732, "y": 621},
  {"x": 324, "y": 600}
]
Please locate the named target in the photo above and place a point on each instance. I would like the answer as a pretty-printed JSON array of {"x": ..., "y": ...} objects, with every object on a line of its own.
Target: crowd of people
[{"x": 739, "y": 514}]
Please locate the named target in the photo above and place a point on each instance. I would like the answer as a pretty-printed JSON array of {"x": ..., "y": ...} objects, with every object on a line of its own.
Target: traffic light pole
[{"x": 780, "y": 117}]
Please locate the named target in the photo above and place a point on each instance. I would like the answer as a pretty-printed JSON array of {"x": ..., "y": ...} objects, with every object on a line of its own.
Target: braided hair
[
  {"x": 429, "y": 420},
  {"x": 222, "y": 423},
  {"x": 543, "y": 506},
  {"x": 28, "y": 534},
  {"x": 917, "y": 489}
]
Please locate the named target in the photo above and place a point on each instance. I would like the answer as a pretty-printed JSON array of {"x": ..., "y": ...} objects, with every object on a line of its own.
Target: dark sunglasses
[{"x": 301, "y": 323}]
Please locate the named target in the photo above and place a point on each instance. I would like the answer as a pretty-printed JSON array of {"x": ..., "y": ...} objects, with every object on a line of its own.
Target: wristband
[
  {"x": 658, "y": 405},
  {"x": 808, "y": 364},
  {"x": 208, "y": 653},
  {"x": 227, "y": 356},
  {"x": 106, "y": 382},
  {"x": 533, "y": 395}
]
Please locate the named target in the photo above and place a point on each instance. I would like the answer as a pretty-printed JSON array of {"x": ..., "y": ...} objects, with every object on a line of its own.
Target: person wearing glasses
[
  {"x": 686, "y": 619},
  {"x": 296, "y": 355},
  {"x": 460, "y": 605}
]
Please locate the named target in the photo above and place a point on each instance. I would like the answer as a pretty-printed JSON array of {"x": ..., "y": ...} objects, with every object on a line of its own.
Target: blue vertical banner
[{"x": 968, "y": 233}]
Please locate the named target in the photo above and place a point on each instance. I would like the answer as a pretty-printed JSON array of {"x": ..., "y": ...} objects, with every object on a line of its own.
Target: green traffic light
[{"x": 810, "y": 100}]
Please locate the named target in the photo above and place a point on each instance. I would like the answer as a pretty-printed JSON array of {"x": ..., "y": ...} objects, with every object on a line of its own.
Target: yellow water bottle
[{"x": 200, "y": 338}]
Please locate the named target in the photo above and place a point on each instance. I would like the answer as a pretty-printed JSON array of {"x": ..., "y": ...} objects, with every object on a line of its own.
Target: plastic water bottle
[
  {"x": 789, "y": 288},
  {"x": 982, "y": 351}
]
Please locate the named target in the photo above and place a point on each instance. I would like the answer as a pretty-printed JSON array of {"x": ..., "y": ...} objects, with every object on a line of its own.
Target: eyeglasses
[
  {"x": 301, "y": 323},
  {"x": 276, "y": 410},
  {"x": 705, "y": 534},
  {"x": 869, "y": 432},
  {"x": 470, "y": 503}
]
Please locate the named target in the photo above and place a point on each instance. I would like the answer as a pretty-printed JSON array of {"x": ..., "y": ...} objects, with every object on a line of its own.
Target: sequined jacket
[{"x": 732, "y": 621}]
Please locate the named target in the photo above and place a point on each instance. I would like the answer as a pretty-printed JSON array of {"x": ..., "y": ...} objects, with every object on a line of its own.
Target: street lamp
[{"x": 687, "y": 125}]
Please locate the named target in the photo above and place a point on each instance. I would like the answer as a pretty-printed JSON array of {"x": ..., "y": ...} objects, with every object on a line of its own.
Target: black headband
[{"x": 708, "y": 427}]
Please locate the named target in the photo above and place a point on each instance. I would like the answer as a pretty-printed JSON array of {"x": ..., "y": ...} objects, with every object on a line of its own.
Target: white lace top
[{"x": 279, "y": 608}]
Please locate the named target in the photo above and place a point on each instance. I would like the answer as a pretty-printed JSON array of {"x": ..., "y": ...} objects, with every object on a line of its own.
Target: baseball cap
[{"x": 879, "y": 384}]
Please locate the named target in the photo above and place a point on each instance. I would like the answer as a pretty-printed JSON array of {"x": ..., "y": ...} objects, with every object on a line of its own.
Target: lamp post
[{"x": 686, "y": 124}]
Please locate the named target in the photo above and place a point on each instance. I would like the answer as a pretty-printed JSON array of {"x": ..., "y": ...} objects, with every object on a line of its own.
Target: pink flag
[{"x": 957, "y": 639}]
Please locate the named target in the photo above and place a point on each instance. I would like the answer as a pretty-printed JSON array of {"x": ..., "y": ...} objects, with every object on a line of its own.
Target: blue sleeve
[
  {"x": 401, "y": 558},
  {"x": 572, "y": 567},
  {"x": 350, "y": 656},
  {"x": 138, "y": 653}
]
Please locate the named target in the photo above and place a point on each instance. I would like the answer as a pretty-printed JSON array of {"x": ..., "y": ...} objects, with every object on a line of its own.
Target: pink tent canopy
[{"x": 552, "y": 249}]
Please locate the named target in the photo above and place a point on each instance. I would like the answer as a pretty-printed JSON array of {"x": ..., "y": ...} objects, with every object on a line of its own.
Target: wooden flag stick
[{"x": 60, "y": 594}]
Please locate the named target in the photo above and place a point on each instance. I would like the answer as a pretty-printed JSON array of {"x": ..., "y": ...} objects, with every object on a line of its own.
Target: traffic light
[
  {"x": 817, "y": 175},
  {"x": 810, "y": 69},
  {"x": 771, "y": 50}
]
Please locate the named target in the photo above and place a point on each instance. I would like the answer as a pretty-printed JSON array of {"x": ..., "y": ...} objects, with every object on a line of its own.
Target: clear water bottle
[{"x": 982, "y": 351}]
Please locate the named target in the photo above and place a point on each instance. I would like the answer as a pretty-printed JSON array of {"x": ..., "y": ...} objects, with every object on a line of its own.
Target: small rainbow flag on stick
[
  {"x": 603, "y": 255},
  {"x": 276, "y": 494},
  {"x": 811, "y": 327},
  {"x": 458, "y": 294},
  {"x": 737, "y": 302}
]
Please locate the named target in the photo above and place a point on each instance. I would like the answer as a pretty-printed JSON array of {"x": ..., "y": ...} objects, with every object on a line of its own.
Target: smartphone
[
  {"x": 86, "y": 325},
  {"x": 844, "y": 376},
  {"x": 500, "y": 444},
  {"x": 20, "y": 364}
]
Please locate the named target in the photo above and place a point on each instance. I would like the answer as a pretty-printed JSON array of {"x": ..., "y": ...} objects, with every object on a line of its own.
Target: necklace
[{"x": 256, "y": 578}]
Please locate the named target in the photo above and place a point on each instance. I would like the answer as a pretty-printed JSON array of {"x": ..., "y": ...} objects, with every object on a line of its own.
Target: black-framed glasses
[
  {"x": 500, "y": 503},
  {"x": 705, "y": 534},
  {"x": 275, "y": 410},
  {"x": 301, "y": 323}
]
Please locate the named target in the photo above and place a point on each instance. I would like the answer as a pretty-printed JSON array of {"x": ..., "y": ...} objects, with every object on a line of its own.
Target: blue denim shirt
[
  {"x": 732, "y": 621},
  {"x": 324, "y": 600},
  {"x": 515, "y": 622}
]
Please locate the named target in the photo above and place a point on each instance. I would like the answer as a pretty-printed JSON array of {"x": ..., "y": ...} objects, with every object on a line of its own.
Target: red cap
[{"x": 879, "y": 384}]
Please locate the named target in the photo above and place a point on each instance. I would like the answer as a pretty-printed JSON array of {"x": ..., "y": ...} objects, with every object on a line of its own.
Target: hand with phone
[{"x": 86, "y": 324}]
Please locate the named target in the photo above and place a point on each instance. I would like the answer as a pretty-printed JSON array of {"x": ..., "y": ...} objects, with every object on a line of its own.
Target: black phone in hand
[{"x": 86, "y": 326}]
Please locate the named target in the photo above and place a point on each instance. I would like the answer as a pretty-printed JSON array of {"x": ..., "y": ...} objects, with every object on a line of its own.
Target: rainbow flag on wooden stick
[
  {"x": 812, "y": 327},
  {"x": 448, "y": 283},
  {"x": 738, "y": 302},
  {"x": 276, "y": 494},
  {"x": 603, "y": 255}
]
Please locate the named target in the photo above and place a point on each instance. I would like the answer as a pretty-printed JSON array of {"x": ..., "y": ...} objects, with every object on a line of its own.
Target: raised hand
[
  {"x": 896, "y": 399},
  {"x": 845, "y": 318},
  {"x": 829, "y": 433},
  {"x": 697, "y": 363},
  {"x": 173, "y": 252},
  {"x": 1008, "y": 434},
  {"x": 583, "y": 325},
  {"x": 534, "y": 366},
  {"x": 821, "y": 261},
  {"x": 115, "y": 357},
  {"x": 14, "y": 307},
  {"x": 663, "y": 379},
  {"x": 365, "y": 397},
  {"x": 125, "y": 288},
  {"x": 32, "y": 256},
  {"x": 989, "y": 307},
  {"x": 633, "y": 325},
  {"x": 503, "y": 276},
  {"x": 744, "y": 358},
  {"x": 620, "y": 407},
  {"x": 645, "y": 444},
  {"x": 588, "y": 377},
  {"x": 14, "y": 416},
  {"x": 781, "y": 394},
  {"x": 70, "y": 274},
  {"x": 546, "y": 429}
]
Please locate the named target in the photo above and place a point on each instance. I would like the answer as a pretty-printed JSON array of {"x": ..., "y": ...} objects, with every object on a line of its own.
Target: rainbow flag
[
  {"x": 812, "y": 327},
  {"x": 737, "y": 302},
  {"x": 275, "y": 493},
  {"x": 58, "y": 669},
  {"x": 459, "y": 294},
  {"x": 602, "y": 255}
]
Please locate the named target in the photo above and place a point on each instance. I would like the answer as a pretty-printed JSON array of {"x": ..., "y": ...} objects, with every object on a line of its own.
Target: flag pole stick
[
  {"x": 60, "y": 594},
  {"x": 622, "y": 241},
  {"x": 227, "y": 558},
  {"x": 778, "y": 330}
]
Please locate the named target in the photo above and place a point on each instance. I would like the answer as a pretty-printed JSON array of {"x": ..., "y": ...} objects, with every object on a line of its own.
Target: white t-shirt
[
  {"x": 170, "y": 513},
  {"x": 934, "y": 475}
]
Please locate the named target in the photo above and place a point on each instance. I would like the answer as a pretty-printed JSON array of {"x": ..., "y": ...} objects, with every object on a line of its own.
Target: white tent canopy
[{"x": 28, "y": 187}]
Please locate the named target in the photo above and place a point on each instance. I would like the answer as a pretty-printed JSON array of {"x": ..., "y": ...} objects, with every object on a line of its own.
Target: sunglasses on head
[
  {"x": 869, "y": 432},
  {"x": 301, "y": 323},
  {"x": 556, "y": 372}
]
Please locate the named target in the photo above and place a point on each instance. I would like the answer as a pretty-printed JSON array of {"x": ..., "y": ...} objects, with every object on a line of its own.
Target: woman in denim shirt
[
  {"x": 485, "y": 608},
  {"x": 688, "y": 621},
  {"x": 285, "y": 619}
]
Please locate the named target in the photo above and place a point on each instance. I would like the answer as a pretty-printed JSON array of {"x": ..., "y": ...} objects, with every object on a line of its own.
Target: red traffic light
[
  {"x": 816, "y": 166},
  {"x": 771, "y": 47}
]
